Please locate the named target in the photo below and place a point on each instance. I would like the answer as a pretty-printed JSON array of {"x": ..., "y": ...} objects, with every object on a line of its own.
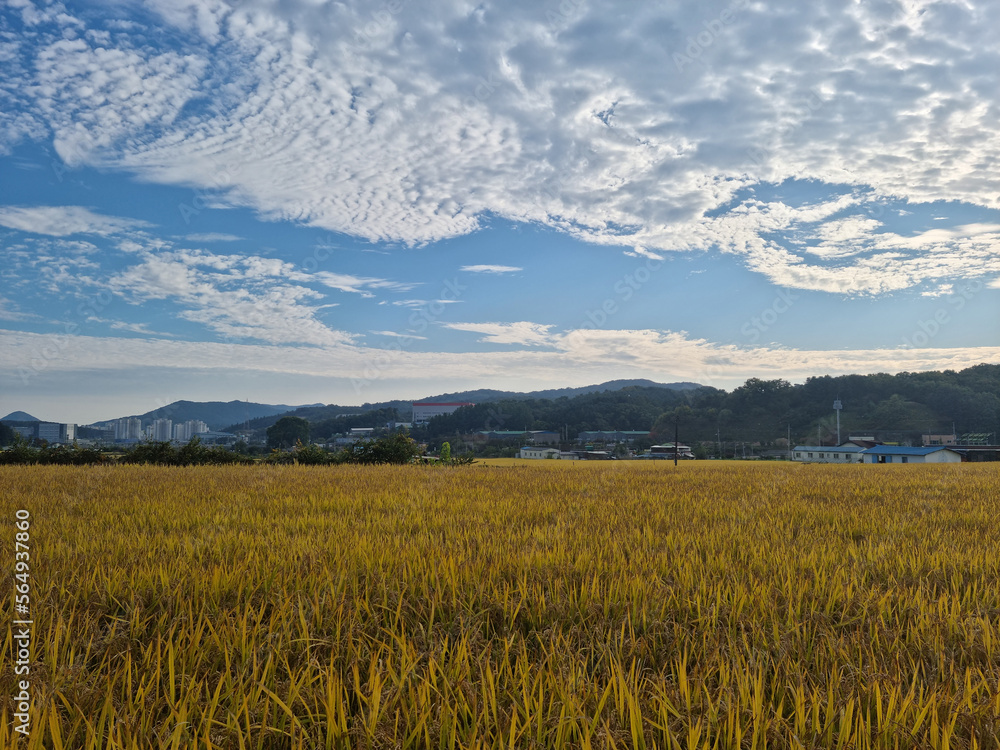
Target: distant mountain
[
  {"x": 320, "y": 413},
  {"x": 20, "y": 416},
  {"x": 216, "y": 414},
  {"x": 487, "y": 394},
  {"x": 317, "y": 414}
]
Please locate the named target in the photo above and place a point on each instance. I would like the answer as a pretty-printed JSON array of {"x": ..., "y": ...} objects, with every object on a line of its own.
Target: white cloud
[
  {"x": 591, "y": 356},
  {"x": 241, "y": 296},
  {"x": 486, "y": 268},
  {"x": 121, "y": 325},
  {"x": 856, "y": 254},
  {"x": 397, "y": 335},
  {"x": 60, "y": 221},
  {"x": 212, "y": 237},
  {"x": 418, "y": 303},
  {"x": 6, "y": 313},
  {"x": 96, "y": 97},
  {"x": 413, "y": 125},
  {"x": 522, "y": 333}
]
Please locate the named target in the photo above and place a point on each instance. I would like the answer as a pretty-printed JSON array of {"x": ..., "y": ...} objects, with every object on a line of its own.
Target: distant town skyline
[{"x": 348, "y": 203}]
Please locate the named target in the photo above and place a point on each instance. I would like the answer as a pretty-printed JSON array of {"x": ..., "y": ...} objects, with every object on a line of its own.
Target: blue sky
[{"x": 346, "y": 202}]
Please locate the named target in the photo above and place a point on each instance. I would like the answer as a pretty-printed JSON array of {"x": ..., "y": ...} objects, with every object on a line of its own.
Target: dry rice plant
[{"x": 715, "y": 605}]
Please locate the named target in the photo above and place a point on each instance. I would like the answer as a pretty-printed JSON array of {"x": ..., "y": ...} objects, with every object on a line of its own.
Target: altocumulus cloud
[{"x": 413, "y": 123}]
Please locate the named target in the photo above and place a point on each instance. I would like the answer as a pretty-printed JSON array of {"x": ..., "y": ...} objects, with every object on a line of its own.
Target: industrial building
[
  {"x": 51, "y": 432},
  {"x": 846, "y": 453},
  {"x": 532, "y": 452},
  {"x": 898, "y": 454},
  {"x": 424, "y": 411}
]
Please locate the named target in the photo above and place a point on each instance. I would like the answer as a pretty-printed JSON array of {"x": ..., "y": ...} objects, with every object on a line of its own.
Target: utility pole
[
  {"x": 676, "y": 444},
  {"x": 837, "y": 406},
  {"x": 789, "y": 441}
]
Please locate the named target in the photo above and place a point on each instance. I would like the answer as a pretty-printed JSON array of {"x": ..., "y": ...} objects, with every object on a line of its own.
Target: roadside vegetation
[{"x": 395, "y": 448}]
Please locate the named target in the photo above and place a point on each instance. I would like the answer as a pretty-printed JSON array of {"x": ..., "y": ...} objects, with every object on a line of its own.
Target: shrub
[{"x": 398, "y": 448}]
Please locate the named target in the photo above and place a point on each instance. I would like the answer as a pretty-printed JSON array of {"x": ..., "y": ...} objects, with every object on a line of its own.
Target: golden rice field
[{"x": 628, "y": 604}]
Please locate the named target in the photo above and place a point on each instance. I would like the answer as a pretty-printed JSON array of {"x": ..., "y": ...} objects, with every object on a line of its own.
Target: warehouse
[
  {"x": 848, "y": 453},
  {"x": 898, "y": 454}
]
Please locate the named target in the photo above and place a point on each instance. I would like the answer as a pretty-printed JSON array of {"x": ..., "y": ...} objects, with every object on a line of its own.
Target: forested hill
[
  {"x": 345, "y": 417},
  {"x": 891, "y": 407},
  {"x": 487, "y": 394},
  {"x": 217, "y": 414}
]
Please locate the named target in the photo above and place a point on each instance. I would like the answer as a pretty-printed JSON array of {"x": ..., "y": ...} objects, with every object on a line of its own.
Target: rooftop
[
  {"x": 901, "y": 450},
  {"x": 829, "y": 448}
]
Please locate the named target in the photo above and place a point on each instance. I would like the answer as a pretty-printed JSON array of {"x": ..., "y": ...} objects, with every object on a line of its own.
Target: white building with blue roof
[{"x": 898, "y": 454}]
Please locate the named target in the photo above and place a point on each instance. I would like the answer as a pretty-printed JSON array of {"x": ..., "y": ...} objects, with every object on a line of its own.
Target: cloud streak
[
  {"x": 62, "y": 221},
  {"x": 488, "y": 268},
  {"x": 589, "y": 355},
  {"x": 243, "y": 296}
]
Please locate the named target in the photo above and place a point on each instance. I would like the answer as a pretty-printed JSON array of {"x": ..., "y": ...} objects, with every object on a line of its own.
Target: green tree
[
  {"x": 150, "y": 452},
  {"x": 312, "y": 455},
  {"x": 446, "y": 451},
  {"x": 288, "y": 431},
  {"x": 398, "y": 448}
]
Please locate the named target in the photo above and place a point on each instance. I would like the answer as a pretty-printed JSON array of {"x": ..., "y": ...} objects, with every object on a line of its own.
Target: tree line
[
  {"x": 397, "y": 448},
  {"x": 900, "y": 406}
]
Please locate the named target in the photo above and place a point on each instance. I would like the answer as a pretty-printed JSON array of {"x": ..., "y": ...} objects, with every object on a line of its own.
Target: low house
[
  {"x": 532, "y": 452},
  {"x": 979, "y": 453},
  {"x": 846, "y": 453},
  {"x": 213, "y": 437},
  {"x": 898, "y": 454},
  {"x": 594, "y": 455},
  {"x": 667, "y": 450},
  {"x": 425, "y": 411},
  {"x": 939, "y": 439},
  {"x": 861, "y": 443}
]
